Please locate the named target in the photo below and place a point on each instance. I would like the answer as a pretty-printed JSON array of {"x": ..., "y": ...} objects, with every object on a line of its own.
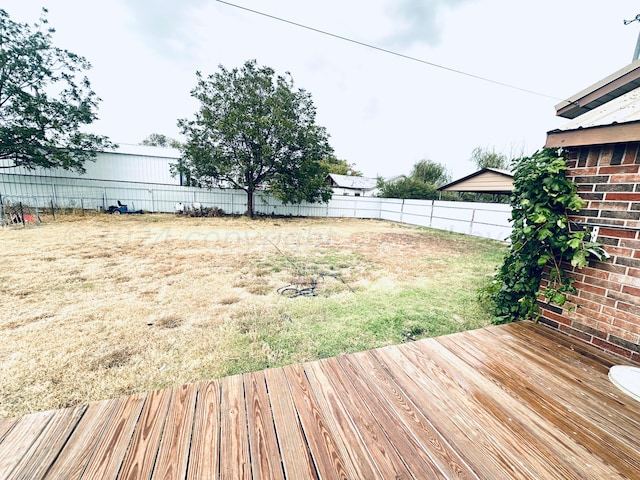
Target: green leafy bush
[{"x": 542, "y": 238}]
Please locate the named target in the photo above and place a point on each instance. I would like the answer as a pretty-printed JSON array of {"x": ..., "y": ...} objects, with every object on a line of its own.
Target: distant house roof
[
  {"x": 356, "y": 183},
  {"x": 614, "y": 122},
  {"x": 606, "y": 90},
  {"x": 487, "y": 180}
]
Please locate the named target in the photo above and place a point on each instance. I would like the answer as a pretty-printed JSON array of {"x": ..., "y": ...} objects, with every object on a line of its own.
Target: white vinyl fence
[{"x": 488, "y": 220}]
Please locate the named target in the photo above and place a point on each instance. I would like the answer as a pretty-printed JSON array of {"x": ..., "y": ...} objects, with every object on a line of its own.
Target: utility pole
[{"x": 636, "y": 54}]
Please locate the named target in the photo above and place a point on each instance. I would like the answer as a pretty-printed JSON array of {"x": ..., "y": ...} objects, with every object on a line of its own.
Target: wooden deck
[{"x": 513, "y": 401}]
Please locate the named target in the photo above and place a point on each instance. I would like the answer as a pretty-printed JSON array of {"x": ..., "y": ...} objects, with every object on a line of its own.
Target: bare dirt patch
[{"x": 98, "y": 306}]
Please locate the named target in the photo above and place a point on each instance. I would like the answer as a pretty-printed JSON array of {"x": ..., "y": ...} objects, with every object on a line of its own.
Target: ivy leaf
[
  {"x": 579, "y": 259},
  {"x": 559, "y": 299},
  {"x": 574, "y": 243},
  {"x": 539, "y": 218},
  {"x": 544, "y": 233}
]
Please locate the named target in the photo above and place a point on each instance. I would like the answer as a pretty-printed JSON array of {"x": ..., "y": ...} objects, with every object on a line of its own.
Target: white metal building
[{"x": 128, "y": 163}]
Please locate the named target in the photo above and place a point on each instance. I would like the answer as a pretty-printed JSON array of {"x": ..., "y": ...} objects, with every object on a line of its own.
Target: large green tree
[
  {"x": 254, "y": 130},
  {"x": 44, "y": 100}
]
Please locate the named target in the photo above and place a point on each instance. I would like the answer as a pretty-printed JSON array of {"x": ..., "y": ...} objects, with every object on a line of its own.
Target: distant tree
[
  {"x": 338, "y": 166},
  {"x": 484, "y": 158},
  {"x": 426, "y": 177},
  {"x": 44, "y": 100},
  {"x": 160, "y": 140},
  {"x": 431, "y": 173},
  {"x": 253, "y": 130},
  {"x": 407, "y": 187}
]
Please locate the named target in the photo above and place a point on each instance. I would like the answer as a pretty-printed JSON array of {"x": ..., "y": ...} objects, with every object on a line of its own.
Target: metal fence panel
[{"x": 490, "y": 220}]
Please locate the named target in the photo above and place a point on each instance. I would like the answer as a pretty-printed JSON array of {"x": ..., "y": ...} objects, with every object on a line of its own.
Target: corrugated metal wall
[{"x": 130, "y": 163}]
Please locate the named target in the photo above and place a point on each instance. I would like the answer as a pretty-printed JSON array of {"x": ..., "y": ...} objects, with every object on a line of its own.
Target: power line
[{"x": 390, "y": 52}]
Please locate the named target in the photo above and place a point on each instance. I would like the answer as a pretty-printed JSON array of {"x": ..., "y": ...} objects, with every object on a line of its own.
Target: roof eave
[
  {"x": 610, "y": 88},
  {"x": 597, "y": 135}
]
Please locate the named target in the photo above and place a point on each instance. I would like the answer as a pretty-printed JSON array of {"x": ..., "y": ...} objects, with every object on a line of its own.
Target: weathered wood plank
[
  {"x": 107, "y": 457},
  {"x": 78, "y": 450},
  {"x": 595, "y": 388},
  {"x": 6, "y": 424},
  {"x": 176, "y": 435},
  {"x": 48, "y": 444},
  {"x": 588, "y": 353},
  {"x": 235, "y": 463},
  {"x": 436, "y": 393},
  {"x": 20, "y": 438},
  {"x": 365, "y": 443},
  {"x": 557, "y": 401},
  {"x": 588, "y": 373},
  {"x": 296, "y": 459},
  {"x": 581, "y": 399},
  {"x": 339, "y": 423},
  {"x": 204, "y": 456},
  {"x": 550, "y": 447},
  {"x": 142, "y": 453},
  {"x": 322, "y": 442},
  {"x": 425, "y": 451},
  {"x": 263, "y": 444}
]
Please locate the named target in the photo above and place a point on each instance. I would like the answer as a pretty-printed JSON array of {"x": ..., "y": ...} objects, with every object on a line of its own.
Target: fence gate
[{"x": 19, "y": 211}]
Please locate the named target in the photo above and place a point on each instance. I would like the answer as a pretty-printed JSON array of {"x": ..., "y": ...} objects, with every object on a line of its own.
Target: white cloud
[{"x": 421, "y": 21}]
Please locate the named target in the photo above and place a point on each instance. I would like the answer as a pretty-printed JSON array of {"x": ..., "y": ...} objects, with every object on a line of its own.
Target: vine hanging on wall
[{"x": 542, "y": 239}]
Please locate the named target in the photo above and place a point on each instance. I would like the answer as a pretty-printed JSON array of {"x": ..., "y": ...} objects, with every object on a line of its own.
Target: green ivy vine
[{"x": 542, "y": 238}]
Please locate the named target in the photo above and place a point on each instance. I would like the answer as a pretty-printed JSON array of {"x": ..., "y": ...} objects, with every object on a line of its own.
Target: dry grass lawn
[{"x": 98, "y": 306}]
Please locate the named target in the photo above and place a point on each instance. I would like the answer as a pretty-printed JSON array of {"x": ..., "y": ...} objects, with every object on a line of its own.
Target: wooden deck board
[
  {"x": 296, "y": 458},
  {"x": 322, "y": 441},
  {"x": 6, "y": 424},
  {"x": 263, "y": 443},
  {"x": 176, "y": 435},
  {"x": 438, "y": 395},
  {"x": 419, "y": 444},
  {"x": 363, "y": 430},
  {"x": 112, "y": 445},
  {"x": 526, "y": 425},
  {"x": 505, "y": 402},
  {"x": 591, "y": 427},
  {"x": 19, "y": 440},
  {"x": 595, "y": 390},
  {"x": 235, "y": 463},
  {"x": 204, "y": 458},
  {"x": 43, "y": 452},
  {"x": 141, "y": 455},
  {"x": 77, "y": 452},
  {"x": 338, "y": 420}
]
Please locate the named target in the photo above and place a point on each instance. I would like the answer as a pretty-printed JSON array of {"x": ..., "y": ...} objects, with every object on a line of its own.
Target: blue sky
[{"x": 383, "y": 112}]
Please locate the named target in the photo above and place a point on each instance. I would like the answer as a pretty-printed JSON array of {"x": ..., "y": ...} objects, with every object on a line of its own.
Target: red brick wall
[{"x": 606, "y": 310}]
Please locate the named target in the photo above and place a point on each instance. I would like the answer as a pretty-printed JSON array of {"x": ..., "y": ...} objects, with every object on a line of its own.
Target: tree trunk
[{"x": 250, "y": 203}]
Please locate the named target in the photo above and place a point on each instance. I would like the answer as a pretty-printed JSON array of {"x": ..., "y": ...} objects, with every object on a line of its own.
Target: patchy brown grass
[{"x": 99, "y": 306}]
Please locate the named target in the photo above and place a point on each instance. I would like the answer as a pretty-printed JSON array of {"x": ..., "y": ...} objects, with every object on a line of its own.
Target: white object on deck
[{"x": 627, "y": 379}]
